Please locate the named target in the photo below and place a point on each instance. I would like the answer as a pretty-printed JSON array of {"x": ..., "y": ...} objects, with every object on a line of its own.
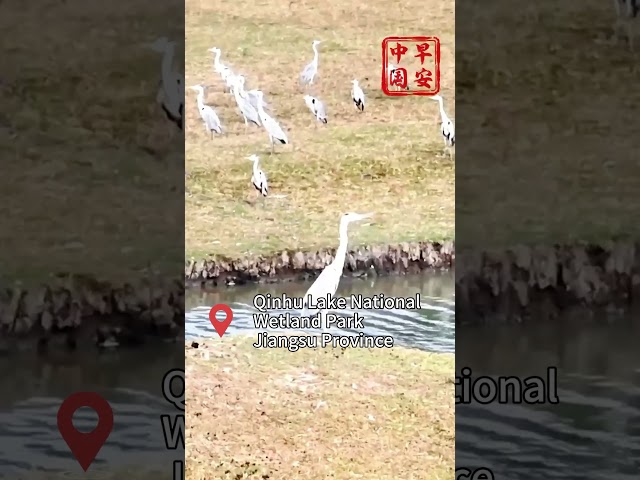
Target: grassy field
[
  {"x": 317, "y": 414},
  {"x": 385, "y": 160},
  {"x": 82, "y": 190},
  {"x": 550, "y": 140}
]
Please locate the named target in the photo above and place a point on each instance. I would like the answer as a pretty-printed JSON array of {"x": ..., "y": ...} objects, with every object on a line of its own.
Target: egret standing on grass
[
  {"x": 270, "y": 125},
  {"x": 446, "y": 126},
  {"x": 311, "y": 70},
  {"x": 258, "y": 178},
  {"x": 208, "y": 114},
  {"x": 357, "y": 95},
  {"x": 316, "y": 107},
  {"x": 171, "y": 94},
  {"x": 328, "y": 281},
  {"x": 248, "y": 111}
]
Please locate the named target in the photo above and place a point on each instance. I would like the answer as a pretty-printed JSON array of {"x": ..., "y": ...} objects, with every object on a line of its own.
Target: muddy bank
[
  {"x": 540, "y": 283},
  {"x": 400, "y": 259},
  {"x": 79, "y": 311}
]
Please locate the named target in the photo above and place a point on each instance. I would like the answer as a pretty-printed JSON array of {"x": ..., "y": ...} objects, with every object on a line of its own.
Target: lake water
[
  {"x": 594, "y": 431},
  {"x": 131, "y": 381},
  {"x": 430, "y": 328}
]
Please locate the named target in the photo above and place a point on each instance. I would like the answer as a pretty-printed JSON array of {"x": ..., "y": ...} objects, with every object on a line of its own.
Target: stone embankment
[
  {"x": 404, "y": 258},
  {"x": 115, "y": 315},
  {"x": 539, "y": 283}
]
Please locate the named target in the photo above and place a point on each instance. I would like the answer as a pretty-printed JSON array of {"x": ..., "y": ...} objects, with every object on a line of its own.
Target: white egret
[
  {"x": 171, "y": 94},
  {"x": 208, "y": 114},
  {"x": 447, "y": 127},
  {"x": 328, "y": 281},
  {"x": 311, "y": 70},
  {"x": 357, "y": 95},
  {"x": 258, "y": 178},
  {"x": 272, "y": 127},
  {"x": 248, "y": 111},
  {"x": 316, "y": 107}
]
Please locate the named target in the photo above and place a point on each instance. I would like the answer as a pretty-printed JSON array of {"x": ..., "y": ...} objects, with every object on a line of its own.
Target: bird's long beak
[{"x": 366, "y": 215}]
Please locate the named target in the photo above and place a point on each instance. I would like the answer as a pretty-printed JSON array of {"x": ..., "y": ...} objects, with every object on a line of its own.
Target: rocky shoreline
[
  {"x": 512, "y": 285},
  {"x": 540, "y": 283},
  {"x": 400, "y": 259},
  {"x": 115, "y": 315}
]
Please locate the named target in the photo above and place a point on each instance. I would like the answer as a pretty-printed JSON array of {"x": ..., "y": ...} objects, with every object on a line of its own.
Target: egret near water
[
  {"x": 171, "y": 93},
  {"x": 273, "y": 128},
  {"x": 357, "y": 95},
  {"x": 258, "y": 177},
  {"x": 311, "y": 70},
  {"x": 329, "y": 279},
  {"x": 248, "y": 111},
  {"x": 447, "y": 127},
  {"x": 207, "y": 113},
  {"x": 316, "y": 107}
]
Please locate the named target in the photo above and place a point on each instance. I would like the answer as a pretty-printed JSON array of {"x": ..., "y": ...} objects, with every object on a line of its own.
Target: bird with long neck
[
  {"x": 316, "y": 54},
  {"x": 327, "y": 283},
  {"x": 446, "y": 126},
  {"x": 248, "y": 111},
  {"x": 221, "y": 69},
  {"x": 311, "y": 70},
  {"x": 258, "y": 177},
  {"x": 274, "y": 130},
  {"x": 443, "y": 115},
  {"x": 200, "y": 97}
]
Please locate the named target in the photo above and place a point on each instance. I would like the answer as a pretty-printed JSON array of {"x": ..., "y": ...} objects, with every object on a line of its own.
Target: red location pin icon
[
  {"x": 220, "y": 326},
  {"x": 85, "y": 446}
]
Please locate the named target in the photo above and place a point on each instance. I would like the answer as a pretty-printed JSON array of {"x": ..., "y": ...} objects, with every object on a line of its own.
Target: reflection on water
[
  {"x": 131, "y": 381},
  {"x": 594, "y": 432},
  {"x": 430, "y": 328}
]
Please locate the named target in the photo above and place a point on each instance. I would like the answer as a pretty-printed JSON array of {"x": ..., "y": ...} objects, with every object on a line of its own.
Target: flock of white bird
[{"x": 252, "y": 107}]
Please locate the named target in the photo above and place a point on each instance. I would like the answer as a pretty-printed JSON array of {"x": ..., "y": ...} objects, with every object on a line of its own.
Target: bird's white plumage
[
  {"x": 311, "y": 70},
  {"x": 207, "y": 113},
  {"x": 226, "y": 74},
  {"x": 328, "y": 281},
  {"x": 248, "y": 111},
  {"x": 317, "y": 108},
  {"x": 258, "y": 177},
  {"x": 272, "y": 127},
  {"x": 447, "y": 127},
  {"x": 357, "y": 95},
  {"x": 251, "y": 96}
]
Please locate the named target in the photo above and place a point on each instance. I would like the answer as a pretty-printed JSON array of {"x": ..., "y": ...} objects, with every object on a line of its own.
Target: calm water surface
[
  {"x": 594, "y": 432},
  {"x": 132, "y": 383}
]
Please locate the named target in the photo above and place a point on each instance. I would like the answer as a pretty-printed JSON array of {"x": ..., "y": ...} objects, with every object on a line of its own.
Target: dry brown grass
[
  {"x": 79, "y": 192},
  {"x": 550, "y": 149},
  {"x": 385, "y": 160},
  {"x": 318, "y": 414}
]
